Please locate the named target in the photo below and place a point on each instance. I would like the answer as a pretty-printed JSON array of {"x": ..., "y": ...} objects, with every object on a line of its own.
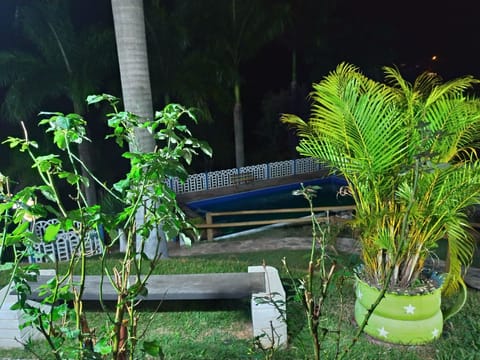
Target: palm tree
[
  {"x": 230, "y": 33},
  {"x": 178, "y": 74},
  {"x": 62, "y": 61},
  {"x": 129, "y": 22},
  {"x": 408, "y": 153}
]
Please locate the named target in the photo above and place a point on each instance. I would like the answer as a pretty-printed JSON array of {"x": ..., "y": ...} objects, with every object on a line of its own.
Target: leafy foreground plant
[
  {"x": 149, "y": 211},
  {"x": 315, "y": 288}
]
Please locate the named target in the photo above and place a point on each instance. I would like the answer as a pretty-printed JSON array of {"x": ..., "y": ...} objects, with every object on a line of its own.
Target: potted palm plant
[{"x": 408, "y": 153}]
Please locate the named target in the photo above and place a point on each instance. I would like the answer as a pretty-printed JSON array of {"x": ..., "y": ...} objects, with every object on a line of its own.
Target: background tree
[
  {"x": 230, "y": 33},
  {"x": 177, "y": 71},
  {"x": 192, "y": 45},
  {"x": 60, "y": 60},
  {"x": 180, "y": 72}
]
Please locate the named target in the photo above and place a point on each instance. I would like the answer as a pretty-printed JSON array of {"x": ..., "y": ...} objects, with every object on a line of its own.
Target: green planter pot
[{"x": 400, "y": 319}]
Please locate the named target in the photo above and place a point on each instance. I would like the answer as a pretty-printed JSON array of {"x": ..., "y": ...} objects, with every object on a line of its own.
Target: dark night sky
[
  {"x": 448, "y": 30},
  {"x": 366, "y": 32},
  {"x": 370, "y": 34},
  {"x": 411, "y": 31}
]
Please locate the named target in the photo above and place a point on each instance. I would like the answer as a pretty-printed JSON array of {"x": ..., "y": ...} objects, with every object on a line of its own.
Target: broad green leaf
[
  {"x": 94, "y": 99},
  {"x": 206, "y": 149},
  {"x": 47, "y": 162},
  {"x": 70, "y": 333},
  {"x": 51, "y": 232},
  {"x": 71, "y": 178},
  {"x": 103, "y": 347},
  {"x": 121, "y": 185},
  {"x": 21, "y": 228},
  {"x": 12, "y": 141},
  {"x": 153, "y": 348},
  {"x": 7, "y": 266},
  {"x": 48, "y": 113},
  {"x": 48, "y": 192}
]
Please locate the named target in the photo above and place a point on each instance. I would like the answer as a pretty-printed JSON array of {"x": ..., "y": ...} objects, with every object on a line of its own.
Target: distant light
[{"x": 434, "y": 58}]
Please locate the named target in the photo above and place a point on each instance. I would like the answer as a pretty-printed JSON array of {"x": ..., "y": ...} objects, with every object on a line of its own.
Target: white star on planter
[
  {"x": 435, "y": 332},
  {"x": 359, "y": 295},
  {"x": 410, "y": 309},
  {"x": 383, "y": 332}
]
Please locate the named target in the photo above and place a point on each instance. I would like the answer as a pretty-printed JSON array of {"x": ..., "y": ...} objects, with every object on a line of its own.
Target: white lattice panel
[
  {"x": 170, "y": 182},
  {"x": 48, "y": 252},
  {"x": 218, "y": 179},
  {"x": 174, "y": 184},
  {"x": 306, "y": 165},
  {"x": 281, "y": 169},
  {"x": 38, "y": 252},
  {"x": 73, "y": 244},
  {"x": 64, "y": 246},
  {"x": 93, "y": 244},
  {"x": 259, "y": 171},
  {"x": 221, "y": 178},
  {"x": 195, "y": 182}
]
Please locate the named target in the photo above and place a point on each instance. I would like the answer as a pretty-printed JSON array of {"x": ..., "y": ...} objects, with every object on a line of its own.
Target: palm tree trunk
[
  {"x": 85, "y": 155},
  {"x": 293, "y": 81},
  {"x": 238, "y": 129},
  {"x": 133, "y": 61},
  {"x": 129, "y": 22}
]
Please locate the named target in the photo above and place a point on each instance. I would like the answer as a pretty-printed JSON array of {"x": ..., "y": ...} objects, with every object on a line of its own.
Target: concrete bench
[
  {"x": 261, "y": 284},
  {"x": 11, "y": 336}
]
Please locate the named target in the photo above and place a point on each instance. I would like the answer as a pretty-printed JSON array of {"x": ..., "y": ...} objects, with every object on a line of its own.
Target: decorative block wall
[
  {"x": 65, "y": 245},
  {"x": 221, "y": 178}
]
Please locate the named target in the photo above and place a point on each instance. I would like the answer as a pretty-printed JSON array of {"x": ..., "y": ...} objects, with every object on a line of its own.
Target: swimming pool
[{"x": 279, "y": 197}]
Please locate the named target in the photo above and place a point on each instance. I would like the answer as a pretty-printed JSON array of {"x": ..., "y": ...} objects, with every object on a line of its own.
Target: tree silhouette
[
  {"x": 230, "y": 33},
  {"x": 60, "y": 61}
]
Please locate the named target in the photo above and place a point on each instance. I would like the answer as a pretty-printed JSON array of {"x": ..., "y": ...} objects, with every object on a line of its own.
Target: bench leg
[{"x": 269, "y": 310}]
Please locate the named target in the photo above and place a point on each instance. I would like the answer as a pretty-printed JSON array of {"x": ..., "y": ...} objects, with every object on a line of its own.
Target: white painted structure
[
  {"x": 12, "y": 333},
  {"x": 269, "y": 311},
  {"x": 268, "y": 308},
  {"x": 222, "y": 178},
  {"x": 65, "y": 245}
]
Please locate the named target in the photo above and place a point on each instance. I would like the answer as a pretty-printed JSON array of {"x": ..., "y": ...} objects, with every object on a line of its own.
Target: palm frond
[
  {"x": 40, "y": 83},
  {"x": 348, "y": 112},
  {"x": 301, "y": 127},
  {"x": 13, "y": 64},
  {"x": 455, "y": 87},
  {"x": 426, "y": 82},
  {"x": 408, "y": 153},
  {"x": 48, "y": 27}
]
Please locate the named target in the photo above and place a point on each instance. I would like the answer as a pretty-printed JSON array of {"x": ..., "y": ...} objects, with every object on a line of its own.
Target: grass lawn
[{"x": 223, "y": 330}]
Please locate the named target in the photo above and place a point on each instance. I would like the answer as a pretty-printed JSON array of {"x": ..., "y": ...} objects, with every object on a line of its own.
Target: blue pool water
[{"x": 279, "y": 197}]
